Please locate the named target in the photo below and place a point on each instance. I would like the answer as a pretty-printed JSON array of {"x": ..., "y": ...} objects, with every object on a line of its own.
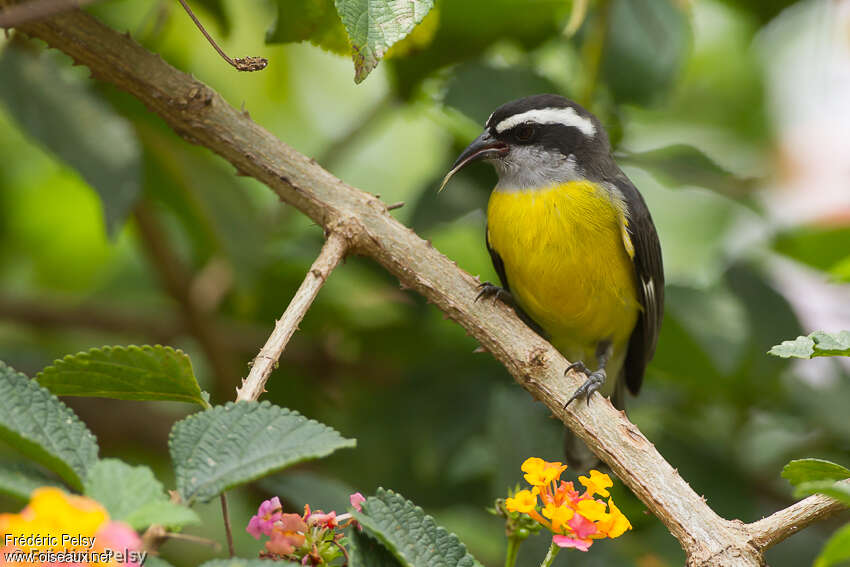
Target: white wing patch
[
  {"x": 566, "y": 116},
  {"x": 649, "y": 294}
]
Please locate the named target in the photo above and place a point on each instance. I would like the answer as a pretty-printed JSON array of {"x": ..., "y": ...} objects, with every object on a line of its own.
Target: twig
[
  {"x": 201, "y": 116},
  {"x": 240, "y": 63},
  {"x": 784, "y": 523},
  {"x": 332, "y": 253},
  {"x": 227, "y": 529},
  {"x": 23, "y": 13}
]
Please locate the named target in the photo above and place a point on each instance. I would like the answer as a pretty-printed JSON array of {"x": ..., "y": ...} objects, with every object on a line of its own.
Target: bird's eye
[{"x": 525, "y": 132}]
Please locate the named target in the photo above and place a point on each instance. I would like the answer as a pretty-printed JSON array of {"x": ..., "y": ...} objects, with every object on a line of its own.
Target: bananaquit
[{"x": 573, "y": 243}]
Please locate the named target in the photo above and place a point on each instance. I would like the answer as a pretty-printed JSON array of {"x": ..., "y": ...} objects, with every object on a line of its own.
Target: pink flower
[
  {"x": 262, "y": 523},
  {"x": 356, "y": 500},
  {"x": 582, "y": 526},
  {"x": 575, "y": 543}
]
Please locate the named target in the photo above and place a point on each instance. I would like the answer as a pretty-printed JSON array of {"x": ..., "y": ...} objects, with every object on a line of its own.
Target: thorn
[
  {"x": 395, "y": 206},
  {"x": 479, "y": 349}
]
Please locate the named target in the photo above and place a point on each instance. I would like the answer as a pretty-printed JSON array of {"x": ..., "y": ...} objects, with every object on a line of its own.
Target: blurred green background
[{"x": 732, "y": 118}]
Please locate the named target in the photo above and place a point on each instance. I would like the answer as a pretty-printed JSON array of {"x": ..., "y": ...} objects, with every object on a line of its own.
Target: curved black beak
[{"x": 483, "y": 147}]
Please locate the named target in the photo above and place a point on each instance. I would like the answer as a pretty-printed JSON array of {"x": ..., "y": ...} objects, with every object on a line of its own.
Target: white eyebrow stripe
[{"x": 566, "y": 116}]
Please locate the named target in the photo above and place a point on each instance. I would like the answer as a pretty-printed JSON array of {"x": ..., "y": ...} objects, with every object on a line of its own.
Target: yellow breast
[{"x": 567, "y": 263}]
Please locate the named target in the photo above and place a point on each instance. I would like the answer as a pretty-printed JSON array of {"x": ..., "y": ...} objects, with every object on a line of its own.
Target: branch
[
  {"x": 784, "y": 523},
  {"x": 201, "y": 116},
  {"x": 329, "y": 258}
]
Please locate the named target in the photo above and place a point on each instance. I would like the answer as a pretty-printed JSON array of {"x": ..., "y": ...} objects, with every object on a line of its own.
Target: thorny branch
[
  {"x": 201, "y": 116},
  {"x": 37, "y": 10}
]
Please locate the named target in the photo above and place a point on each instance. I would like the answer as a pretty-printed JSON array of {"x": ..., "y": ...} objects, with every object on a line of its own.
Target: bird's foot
[
  {"x": 487, "y": 290},
  {"x": 594, "y": 381}
]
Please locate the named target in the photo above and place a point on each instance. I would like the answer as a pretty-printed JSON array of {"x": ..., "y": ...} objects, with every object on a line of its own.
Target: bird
[{"x": 573, "y": 243}]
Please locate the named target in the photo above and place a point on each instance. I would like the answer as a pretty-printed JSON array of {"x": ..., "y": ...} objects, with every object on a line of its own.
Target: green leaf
[
  {"x": 313, "y": 20},
  {"x": 229, "y": 445},
  {"x": 373, "y": 26},
  {"x": 819, "y": 343},
  {"x": 125, "y": 373},
  {"x": 837, "y": 548},
  {"x": 366, "y": 551},
  {"x": 682, "y": 165},
  {"x": 837, "y": 490},
  {"x": 70, "y": 121},
  {"x": 645, "y": 46},
  {"x": 134, "y": 495},
  {"x": 18, "y": 480},
  {"x": 807, "y": 470},
  {"x": 40, "y": 426},
  {"x": 411, "y": 535}
]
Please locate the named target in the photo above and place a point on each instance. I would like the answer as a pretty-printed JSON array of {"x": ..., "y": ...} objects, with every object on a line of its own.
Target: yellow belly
[{"x": 567, "y": 265}]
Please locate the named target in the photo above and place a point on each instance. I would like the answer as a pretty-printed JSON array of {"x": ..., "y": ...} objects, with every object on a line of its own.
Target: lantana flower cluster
[
  {"x": 575, "y": 519},
  {"x": 42, "y": 530},
  {"x": 313, "y": 538}
]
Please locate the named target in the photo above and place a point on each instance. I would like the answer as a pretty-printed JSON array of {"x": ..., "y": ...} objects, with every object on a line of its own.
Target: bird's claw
[
  {"x": 488, "y": 290},
  {"x": 594, "y": 382}
]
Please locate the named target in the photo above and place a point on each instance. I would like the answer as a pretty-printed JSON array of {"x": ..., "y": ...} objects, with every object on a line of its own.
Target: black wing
[
  {"x": 498, "y": 264},
  {"x": 650, "y": 282}
]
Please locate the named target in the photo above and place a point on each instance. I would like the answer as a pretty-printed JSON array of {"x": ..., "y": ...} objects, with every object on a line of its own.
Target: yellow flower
[
  {"x": 523, "y": 501},
  {"x": 65, "y": 523},
  {"x": 597, "y": 483},
  {"x": 540, "y": 473},
  {"x": 614, "y": 523},
  {"x": 593, "y": 510},
  {"x": 559, "y": 515}
]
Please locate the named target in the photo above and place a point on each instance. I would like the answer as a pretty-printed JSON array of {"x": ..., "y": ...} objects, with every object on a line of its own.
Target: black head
[{"x": 539, "y": 140}]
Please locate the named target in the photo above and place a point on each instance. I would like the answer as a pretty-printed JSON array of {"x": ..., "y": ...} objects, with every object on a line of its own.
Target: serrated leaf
[
  {"x": 801, "y": 347},
  {"x": 125, "y": 373},
  {"x": 69, "y": 120},
  {"x": 229, "y": 445},
  {"x": 831, "y": 344},
  {"x": 313, "y": 20},
  {"x": 18, "y": 480},
  {"x": 373, "y": 26},
  {"x": 366, "y": 551},
  {"x": 836, "y": 550},
  {"x": 134, "y": 495},
  {"x": 838, "y": 490},
  {"x": 36, "y": 423},
  {"x": 411, "y": 535},
  {"x": 240, "y": 562},
  {"x": 808, "y": 470},
  {"x": 819, "y": 343}
]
